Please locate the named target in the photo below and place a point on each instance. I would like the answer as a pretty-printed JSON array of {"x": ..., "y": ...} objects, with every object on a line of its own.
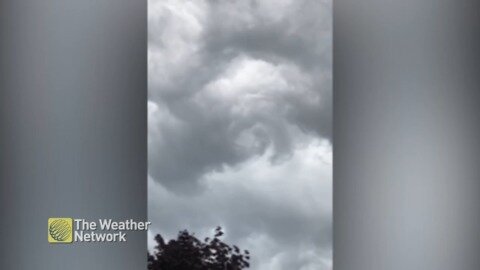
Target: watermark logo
[
  {"x": 60, "y": 230},
  {"x": 73, "y": 230}
]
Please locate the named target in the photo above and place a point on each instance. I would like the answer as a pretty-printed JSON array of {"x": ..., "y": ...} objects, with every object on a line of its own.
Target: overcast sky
[{"x": 240, "y": 123}]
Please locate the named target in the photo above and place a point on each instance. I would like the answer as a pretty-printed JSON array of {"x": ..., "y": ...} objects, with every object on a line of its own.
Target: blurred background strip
[
  {"x": 73, "y": 91},
  {"x": 406, "y": 129}
]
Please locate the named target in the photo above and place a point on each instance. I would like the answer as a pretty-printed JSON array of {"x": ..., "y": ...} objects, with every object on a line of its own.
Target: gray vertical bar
[
  {"x": 406, "y": 161},
  {"x": 72, "y": 128}
]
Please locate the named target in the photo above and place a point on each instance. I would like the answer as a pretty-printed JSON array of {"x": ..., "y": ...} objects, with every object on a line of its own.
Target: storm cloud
[{"x": 240, "y": 111}]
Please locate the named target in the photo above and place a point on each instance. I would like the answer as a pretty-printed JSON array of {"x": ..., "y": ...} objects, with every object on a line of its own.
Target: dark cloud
[{"x": 240, "y": 97}]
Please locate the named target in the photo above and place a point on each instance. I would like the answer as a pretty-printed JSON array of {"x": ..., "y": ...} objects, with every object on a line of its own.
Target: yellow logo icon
[{"x": 60, "y": 230}]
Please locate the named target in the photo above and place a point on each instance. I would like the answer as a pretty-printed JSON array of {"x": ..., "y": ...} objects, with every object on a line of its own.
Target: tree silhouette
[{"x": 188, "y": 253}]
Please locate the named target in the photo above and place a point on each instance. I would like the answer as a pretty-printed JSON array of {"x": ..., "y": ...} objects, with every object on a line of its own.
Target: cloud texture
[{"x": 240, "y": 125}]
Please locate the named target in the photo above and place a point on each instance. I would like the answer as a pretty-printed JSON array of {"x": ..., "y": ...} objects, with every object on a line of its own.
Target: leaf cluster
[{"x": 187, "y": 252}]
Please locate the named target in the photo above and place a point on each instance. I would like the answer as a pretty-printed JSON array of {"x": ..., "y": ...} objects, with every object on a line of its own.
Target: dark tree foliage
[{"x": 188, "y": 253}]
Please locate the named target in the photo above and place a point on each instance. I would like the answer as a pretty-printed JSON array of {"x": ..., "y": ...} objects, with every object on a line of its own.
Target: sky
[{"x": 240, "y": 126}]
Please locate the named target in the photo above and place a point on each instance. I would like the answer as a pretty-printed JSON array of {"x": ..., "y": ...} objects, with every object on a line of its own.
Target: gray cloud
[
  {"x": 273, "y": 210},
  {"x": 239, "y": 97}
]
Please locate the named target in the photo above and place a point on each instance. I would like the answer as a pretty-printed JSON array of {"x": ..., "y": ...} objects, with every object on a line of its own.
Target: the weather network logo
[{"x": 60, "y": 230}]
